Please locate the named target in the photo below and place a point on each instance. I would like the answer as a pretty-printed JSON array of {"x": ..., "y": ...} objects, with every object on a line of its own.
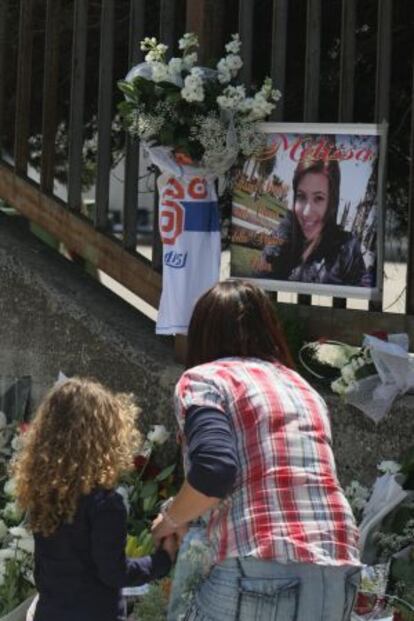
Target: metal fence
[{"x": 60, "y": 60}]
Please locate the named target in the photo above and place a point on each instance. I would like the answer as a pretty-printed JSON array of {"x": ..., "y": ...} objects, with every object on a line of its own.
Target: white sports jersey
[{"x": 190, "y": 231}]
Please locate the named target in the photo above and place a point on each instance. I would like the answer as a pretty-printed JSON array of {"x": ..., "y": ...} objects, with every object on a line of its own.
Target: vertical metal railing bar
[
  {"x": 312, "y": 75},
  {"x": 3, "y": 30},
  {"x": 409, "y": 297},
  {"x": 347, "y": 62},
  {"x": 167, "y": 24},
  {"x": 156, "y": 245},
  {"x": 168, "y": 10},
  {"x": 194, "y": 19},
  {"x": 156, "y": 260},
  {"x": 278, "y": 64},
  {"x": 382, "y": 87},
  {"x": 104, "y": 158},
  {"x": 279, "y": 46},
  {"x": 346, "y": 79},
  {"x": 23, "y": 90},
  {"x": 50, "y": 94},
  {"x": 312, "y": 60},
  {"x": 246, "y": 20},
  {"x": 384, "y": 53},
  {"x": 77, "y": 96},
  {"x": 131, "y": 185}
]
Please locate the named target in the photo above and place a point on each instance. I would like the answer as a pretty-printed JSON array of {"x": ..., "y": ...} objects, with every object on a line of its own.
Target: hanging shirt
[{"x": 189, "y": 227}]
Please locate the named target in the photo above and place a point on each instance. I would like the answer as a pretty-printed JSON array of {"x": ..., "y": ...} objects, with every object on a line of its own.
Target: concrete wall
[
  {"x": 54, "y": 317},
  {"x": 360, "y": 444}
]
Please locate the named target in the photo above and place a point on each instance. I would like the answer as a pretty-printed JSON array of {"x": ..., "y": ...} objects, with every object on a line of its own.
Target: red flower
[
  {"x": 365, "y": 603},
  {"x": 23, "y": 427},
  {"x": 151, "y": 471},
  {"x": 139, "y": 462}
]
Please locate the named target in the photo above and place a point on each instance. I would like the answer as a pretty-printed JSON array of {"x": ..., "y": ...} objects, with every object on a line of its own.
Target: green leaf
[
  {"x": 126, "y": 87},
  {"x": 173, "y": 97},
  {"x": 149, "y": 489},
  {"x": 408, "y": 461},
  {"x": 166, "y": 136},
  {"x": 149, "y": 503},
  {"x": 164, "y": 474}
]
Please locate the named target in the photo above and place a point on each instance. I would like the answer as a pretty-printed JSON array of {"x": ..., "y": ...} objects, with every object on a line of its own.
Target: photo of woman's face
[{"x": 311, "y": 204}]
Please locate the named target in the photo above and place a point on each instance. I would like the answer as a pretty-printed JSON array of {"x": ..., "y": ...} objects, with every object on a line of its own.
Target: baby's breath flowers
[{"x": 199, "y": 111}]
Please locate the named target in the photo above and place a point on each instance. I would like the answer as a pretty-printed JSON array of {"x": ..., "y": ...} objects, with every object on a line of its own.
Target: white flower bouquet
[
  {"x": 194, "y": 122},
  {"x": 359, "y": 366},
  {"x": 16, "y": 543},
  {"x": 385, "y": 513},
  {"x": 340, "y": 364},
  {"x": 200, "y": 112}
]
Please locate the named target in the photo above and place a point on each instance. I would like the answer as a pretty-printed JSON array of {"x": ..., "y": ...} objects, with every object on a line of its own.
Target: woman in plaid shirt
[{"x": 257, "y": 447}]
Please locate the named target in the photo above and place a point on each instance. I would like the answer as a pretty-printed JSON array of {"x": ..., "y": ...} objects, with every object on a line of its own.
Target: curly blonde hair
[{"x": 82, "y": 437}]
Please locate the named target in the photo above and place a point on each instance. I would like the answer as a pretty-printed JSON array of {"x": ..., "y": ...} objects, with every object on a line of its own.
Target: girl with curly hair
[{"x": 82, "y": 438}]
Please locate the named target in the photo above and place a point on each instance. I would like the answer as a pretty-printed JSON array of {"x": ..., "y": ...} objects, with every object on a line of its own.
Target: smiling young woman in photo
[{"x": 309, "y": 246}]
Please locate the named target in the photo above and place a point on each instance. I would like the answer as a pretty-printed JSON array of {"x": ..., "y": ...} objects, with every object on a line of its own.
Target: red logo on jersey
[{"x": 171, "y": 216}]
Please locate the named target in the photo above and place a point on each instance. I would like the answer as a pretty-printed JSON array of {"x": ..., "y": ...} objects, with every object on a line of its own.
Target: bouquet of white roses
[
  {"x": 340, "y": 364},
  {"x": 200, "y": 112},
  {"x": 359, "y": 366}
]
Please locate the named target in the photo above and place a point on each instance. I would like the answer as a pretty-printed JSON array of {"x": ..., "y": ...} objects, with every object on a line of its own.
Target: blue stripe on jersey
[{"x": 201, "y": 216}]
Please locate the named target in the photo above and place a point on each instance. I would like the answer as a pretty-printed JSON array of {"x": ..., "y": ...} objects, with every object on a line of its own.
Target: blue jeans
[{"x": 255, "y": 590}]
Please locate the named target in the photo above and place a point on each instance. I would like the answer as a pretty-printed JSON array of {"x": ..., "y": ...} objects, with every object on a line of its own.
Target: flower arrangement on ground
[
  {"x": 194, "y": 121},
  {"x": 370, "y": 377},
  {"x": 16, "y": 543},
  {"x": 386, "y": 516},
  {"x": 144, "y": 489},
  {"x": 153, "y": 605},
  {"x": 340, "y": 364}
]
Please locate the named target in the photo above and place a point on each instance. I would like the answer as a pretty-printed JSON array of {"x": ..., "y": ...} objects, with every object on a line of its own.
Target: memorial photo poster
[{"x": 307, "y": 210}]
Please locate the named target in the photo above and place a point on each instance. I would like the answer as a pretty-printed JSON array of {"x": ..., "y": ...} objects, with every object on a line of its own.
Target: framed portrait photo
[{"x": 307, "y": 213}]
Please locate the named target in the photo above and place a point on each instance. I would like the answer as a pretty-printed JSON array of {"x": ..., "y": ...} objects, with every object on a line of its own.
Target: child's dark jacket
[{"x": 81, "y": 568}]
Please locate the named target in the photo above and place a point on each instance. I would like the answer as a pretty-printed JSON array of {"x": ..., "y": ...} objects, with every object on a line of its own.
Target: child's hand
[{"x": 170, "y": 545}]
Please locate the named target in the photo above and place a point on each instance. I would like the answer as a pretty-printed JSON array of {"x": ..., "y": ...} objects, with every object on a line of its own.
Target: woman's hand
[
  {"x": 160, "y": 529},
  {"x": 170, "y": 545},
  {"x": 187, "y": 505}
]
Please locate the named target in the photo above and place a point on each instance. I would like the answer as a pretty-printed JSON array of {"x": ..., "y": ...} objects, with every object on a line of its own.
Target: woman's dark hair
[{"x": 235, "y": 318}]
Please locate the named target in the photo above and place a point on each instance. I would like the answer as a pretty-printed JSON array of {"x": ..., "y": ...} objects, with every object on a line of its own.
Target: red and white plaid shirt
[{"x": 287, "y": 504}]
